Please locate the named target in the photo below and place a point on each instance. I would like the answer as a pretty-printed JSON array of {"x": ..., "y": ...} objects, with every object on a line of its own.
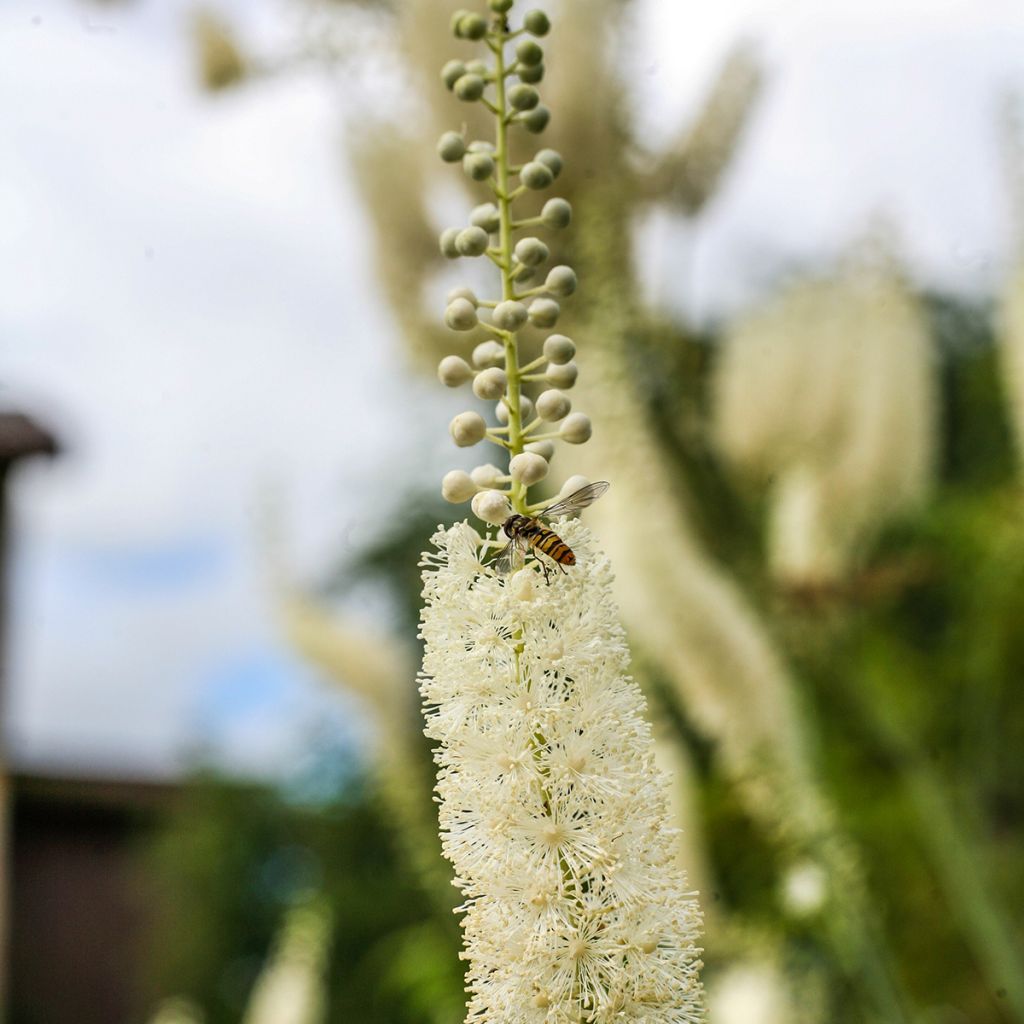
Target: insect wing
[
  {"x": 577, "y": 501},
  {"x": 510, "y": 557}
]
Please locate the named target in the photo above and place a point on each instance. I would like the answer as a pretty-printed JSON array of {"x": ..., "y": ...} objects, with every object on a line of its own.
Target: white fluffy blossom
[{"x": 551, "y": 809}]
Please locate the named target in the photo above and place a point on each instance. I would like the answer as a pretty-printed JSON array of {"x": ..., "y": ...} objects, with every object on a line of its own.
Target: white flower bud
[
  {"x": 576, "y": 428},
  {"x": 486, "y": 216},
  {"x": 572, "y": 485},
  {"x": 487, "y": 476},
  {"x": 457, "y": 487},
  {"x": 536, "y": 175},
  {"x": 463, "y": 292},
  {"x": 553, "y": 405},
  {"x": 561, "y": 280},
  {"x": 525, "y": 410},
  {"x": 528, "y": 468},
  {"x": 469, "y": 88},
  {"x": 531, "y": 251},
  {"x": 453, "y": 71},
  {"x": 472, "y": 241},
  {"x": 478, "y": 166},
  {"x": 523, "y": 97},
  {"x": 509, "y": 315},
  {"x": 544, "y": 312},
  {"x": 804, "y": 889},
  {"x": 536, "y": 120},
  {"x": 446, "y": 243},
  {"x": 557, "y": 213},
  {"x": 490, "y": 384},
  {"x": 529, "y": 53},
  {"x": 467, "y": 429},
  {"x": 563, "y": 376},
  {"x": 488, "y": 353},
  {"x": 545, "y": 449},
  {"x": 451, "y": 147},
  {"x": 551, "y": 159},
  {"x": 480, "y": 146},
  {"x": 461, "y": 315},
  {"x": 558, "y": 349},
  {"x": 453, "y": 371},
  {"x": 491, "y": 507}
]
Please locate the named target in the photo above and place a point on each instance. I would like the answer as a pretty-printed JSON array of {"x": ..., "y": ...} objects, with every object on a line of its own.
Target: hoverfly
[{"x": 529, "y": 532}]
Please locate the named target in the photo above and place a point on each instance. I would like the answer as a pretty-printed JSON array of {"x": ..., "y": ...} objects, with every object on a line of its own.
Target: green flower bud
[
  {"x": 509, "y": 315},
  {"x": 551, "y": 159},
  {"x": 471, "y": 26},
  {"x": 544, "y": 312},
  {"x": 523, "y": 97},
  {"x": 467, "y": 429},
  {"x": 487, "y": 476},
  {"x": 490, "y": 384},
  {"x": 528, "y": 468},
  {"x": 450, "y": 147},
  {"x": 576, "y": 428},
  {"x": 453, "y": 371},
  {"x": 479, "y": 146},
  {"x": 536, "y": 120},
  {"x": 557, "y": 213},
  {"x": 472, "y": 241},
  {"x": 553, "y": 405},
  {"x": 529, "y": 53},
  {"x": 461, "y": 315},
  {"x": 536, "y": 175},
  {"x": 545, "y": 449},
  {"x": 562, "y": 376},
  {"x": 456, "y": 17},
  {"x": 452, "y": 72},
  {"x": 478, "y": 166},
  {"x": 469, "y": 88},
  {"x": 463, "y": 293},
  {"x": 447, "y": 243},
  {"x": 500, "y": 6},
  {"x": 457, "y": 487},
  {"x": 525, "y": 410},
  {"x": 531, "y": 251},
  {"x": 561, "y": 281},
  {"x": 536, "y": 23},
  {"x": 558, "y": 349},
  {"x": 486, "y": 216},
  {"x": 488, "y": 353},
  {"x": 477, "y": 67},
  {"x": 532, "y": 75}
]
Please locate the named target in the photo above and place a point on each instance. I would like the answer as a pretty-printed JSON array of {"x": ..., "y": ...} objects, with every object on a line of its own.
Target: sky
[{"x": 185, "y": 300}]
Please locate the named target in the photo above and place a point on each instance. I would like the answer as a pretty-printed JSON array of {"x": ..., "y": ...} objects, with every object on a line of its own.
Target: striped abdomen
[{"x": 540, "y": 537}]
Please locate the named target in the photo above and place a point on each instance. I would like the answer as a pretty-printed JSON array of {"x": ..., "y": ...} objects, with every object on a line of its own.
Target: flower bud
[
  {"x": 558, "y": 349},
  {"x": 469, "y": 88},
  {"x": 532, "y": 75},
  {"x": 536, "y": 120},
  {"x": 523, "y": 97},
  {"x": 553, "y": 405},
  {"x": 468, "y": 428},
  {"x": 557, "y": 213},
  {"x": 453, "y": 371},
  {"x": 544, "y": 312},
  {"x": 488, "y": 353},
  {"x": 561, "y": 281},
  {"x": 491, "y": 506},
  {"x": 472, "y": 241},
  {"x": 487, "y": 476},
  {"x": 472, "y": 26},
  {"x": 531, "y": 251},
  {"x": 446, "y": 243},
  {"x": 478, "y": 68},
  {"x": 536, "y": 175},
  {"x": 500, "y": 6},
  {"x": 509, "y": 315},
  {"x": 545, "y": 449},
  {"x": 551, "y": 159},
  {"x": 456, "y": 17},
  {"x": 451, "y": 147},
  {"x": 524, "y": 274},
  {"x": 478, "y": 166},
  {"x": 462, "y": 292},
  {"x": 572, "y": 485},
  {"x": 480, "y": 146},
  {"x": 529, "y": 53},
  {"x": 490, "y": 384},
  {"x": 486, "y": 216},
  {"x": 452, "y": 72},
  {"x": 528, "y": 468},
  {"x": 461, "y": 315},
  {"x": 562, "y": 376},
  {"x": 457, "y": 487},
  {"x": 536, "y": 23},
  {"x": 576, "y": 428},
  {"x": 525, "y": 410}
]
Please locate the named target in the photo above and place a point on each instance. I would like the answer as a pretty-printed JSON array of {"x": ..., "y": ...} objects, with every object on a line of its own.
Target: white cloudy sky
[{"x": 183, "y": 299}]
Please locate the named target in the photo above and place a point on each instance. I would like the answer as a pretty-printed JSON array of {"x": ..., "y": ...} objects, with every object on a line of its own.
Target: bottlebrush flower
[{"x": 551, "y": 809}]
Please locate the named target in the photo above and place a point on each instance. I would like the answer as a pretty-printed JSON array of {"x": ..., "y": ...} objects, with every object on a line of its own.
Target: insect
[{"x": 529, "y": 531}]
